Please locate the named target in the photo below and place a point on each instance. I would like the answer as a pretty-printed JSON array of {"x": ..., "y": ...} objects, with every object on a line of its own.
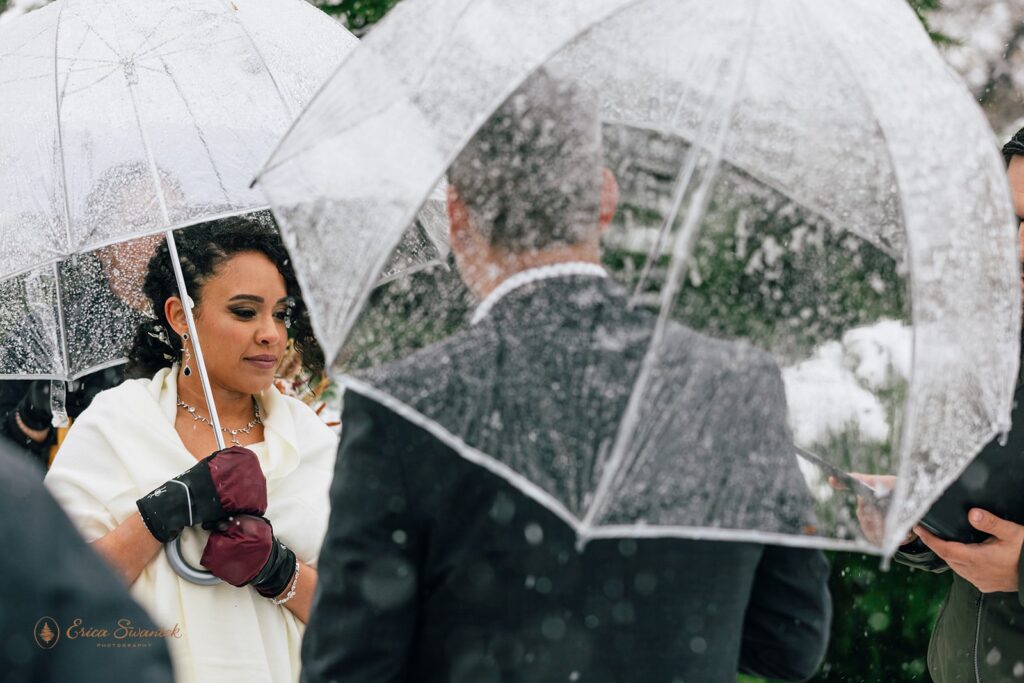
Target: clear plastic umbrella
[
  {"x": 125, "y": 120},
  {"x": 808, "y": 196}
]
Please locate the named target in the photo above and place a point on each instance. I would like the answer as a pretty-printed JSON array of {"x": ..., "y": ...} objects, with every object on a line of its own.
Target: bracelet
[
  {"x": 25, "y": 429},
  {"x": 291, "y": 589}
]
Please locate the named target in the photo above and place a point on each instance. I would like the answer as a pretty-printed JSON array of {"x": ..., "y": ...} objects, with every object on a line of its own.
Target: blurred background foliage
[{"x": 882, "y": 619}]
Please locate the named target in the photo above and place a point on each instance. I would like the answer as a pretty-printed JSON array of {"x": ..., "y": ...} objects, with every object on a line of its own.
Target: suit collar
[{"x": 525, "y": 277}]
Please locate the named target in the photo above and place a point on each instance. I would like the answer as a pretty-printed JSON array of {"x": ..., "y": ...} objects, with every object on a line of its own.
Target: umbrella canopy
[
  {"x": 125, "y": 119},
  {"x": 786, "y": 207}
]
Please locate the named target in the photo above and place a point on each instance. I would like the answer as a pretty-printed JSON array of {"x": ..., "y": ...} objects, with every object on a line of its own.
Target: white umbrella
[
  {"x": 784, "y": 164},
  {"x": 128, "y": 118}
]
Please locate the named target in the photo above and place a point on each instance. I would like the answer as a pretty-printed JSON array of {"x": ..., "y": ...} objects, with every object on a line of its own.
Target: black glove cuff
[
  {"x": 164, "y": 515},
  {"x": 166, "y": 510},
  {"x": 277, "y": 573}
]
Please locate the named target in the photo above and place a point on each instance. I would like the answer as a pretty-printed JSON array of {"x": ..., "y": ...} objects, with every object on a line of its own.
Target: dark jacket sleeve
[
  {"x": 11, "y": 393},
  {"x": 364, "y": 615},
  {"x": 49, "y": 571},
  {"x": 919, "y": 556},
  {"x": 786, "y": 627}
]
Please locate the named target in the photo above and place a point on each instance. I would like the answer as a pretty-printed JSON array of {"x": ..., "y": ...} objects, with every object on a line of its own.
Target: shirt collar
[{"x": 525, "y": 277}]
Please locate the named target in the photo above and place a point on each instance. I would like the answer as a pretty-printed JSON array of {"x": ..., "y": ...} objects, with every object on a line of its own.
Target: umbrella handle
[{"x": 183, "y": 569}]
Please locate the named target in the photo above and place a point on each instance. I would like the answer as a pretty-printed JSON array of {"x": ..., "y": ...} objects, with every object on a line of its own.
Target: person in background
[
  {"x": 51, "y": 579},
  {"x": 27, "y": 419},
  {"x": 979, "y": 635},
  {"x": 436, "y": 569},
  {"x": 136, "y": 470},
  {"x": 108, "y": 280}
]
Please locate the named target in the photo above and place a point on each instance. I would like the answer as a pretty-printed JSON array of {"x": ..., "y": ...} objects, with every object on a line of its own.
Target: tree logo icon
[{"x": 47, "y": 632}]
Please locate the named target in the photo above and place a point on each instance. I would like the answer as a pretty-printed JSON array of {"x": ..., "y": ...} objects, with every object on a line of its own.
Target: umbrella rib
[
  {"x": 792, "y": 195},
  {"x": 152, "y": 29},
  {"x": 680, "y": 258},
  {"x": 26, "y": 57},
  {"x": 166, "y": 70},
  {"x": 103, "y": 40},
  {"x": 280, "y": 94},
  {"x": 273, "y": 163},
  {"x": 463, "y": 449},
  {"x": 195, "y": 125},
  {"x": 25, "y": 79},
  {"x": 150, "y": 69},
  {"x": 149, "y": 53},
  {"x": 89, "y": 85},
  {"x": 88, "y": 60},
  {"x": 891, "y": 516},
  {"x": 61, "y": 330},
  {"x": 363, "y": 291},
  {"x": 29, "y": 40},
  {"x": 157, "y": 46},
  {"x": 60, "y": 136},
  {"x": 683, "y": 182},
  {"x": 823, "y": 30},
  {"x": 153, "y": 169},
  {"x": 73, "y": 60},
  {"x": 178, "y": 276},
  {"x": 88, "y": 69},
  {"x": 98, "y": 367}
]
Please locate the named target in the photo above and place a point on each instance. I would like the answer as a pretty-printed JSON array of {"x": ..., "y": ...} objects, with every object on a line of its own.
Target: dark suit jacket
[
  {"x": 437, "y": 569},
  {"x": 49, "y": 571}
]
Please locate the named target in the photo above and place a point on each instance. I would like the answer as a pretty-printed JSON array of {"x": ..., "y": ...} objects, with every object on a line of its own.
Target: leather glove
[
  {"x": 243, "y": 551},
  {"x": 227, "y": 482},
  {"x": 34, "y": 407}
]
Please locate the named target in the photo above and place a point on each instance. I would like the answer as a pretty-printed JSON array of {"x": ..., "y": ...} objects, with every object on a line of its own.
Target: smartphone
[{"x": 851, "y": 482}]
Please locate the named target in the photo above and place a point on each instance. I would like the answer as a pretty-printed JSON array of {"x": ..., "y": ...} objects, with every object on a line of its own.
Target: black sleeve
[
  {"x": 919, "y": 556},
  {"x": 364, "y": 615},
  {"x": 786, "y": 627},
  {"x": 38, "y": 452},
  {"x": 49, "y": 571}
]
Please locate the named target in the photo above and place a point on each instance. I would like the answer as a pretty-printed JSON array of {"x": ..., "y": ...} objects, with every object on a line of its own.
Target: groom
[{"x": 449, "y": 563}]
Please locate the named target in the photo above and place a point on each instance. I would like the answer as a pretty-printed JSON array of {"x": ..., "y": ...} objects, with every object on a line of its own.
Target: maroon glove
[
  {"x": 244, "y": 551},
  {"x": 225, "y": 483},
  {"x": 238, "y": 480}
]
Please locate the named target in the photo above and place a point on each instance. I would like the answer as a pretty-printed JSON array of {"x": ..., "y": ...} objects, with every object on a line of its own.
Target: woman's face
[{"x": 241, "y": 323}]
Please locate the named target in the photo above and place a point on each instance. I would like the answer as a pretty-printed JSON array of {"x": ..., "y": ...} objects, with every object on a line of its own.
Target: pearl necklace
[{"x": 258, "y": 420}]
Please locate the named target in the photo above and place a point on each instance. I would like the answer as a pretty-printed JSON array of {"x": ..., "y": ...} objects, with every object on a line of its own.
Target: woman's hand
[
  {"x": 227, "y": 482},
  {"x": 869, "y": 514},
  {"x": 243, "y": 551},
  {"x": 129, "y": 548}
]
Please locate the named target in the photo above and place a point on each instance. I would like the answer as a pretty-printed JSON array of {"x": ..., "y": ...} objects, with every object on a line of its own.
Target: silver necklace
[{"x": 258, "y": 420}]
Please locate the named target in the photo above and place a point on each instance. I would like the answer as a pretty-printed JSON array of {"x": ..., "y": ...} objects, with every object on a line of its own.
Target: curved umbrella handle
[
  {"x": 177, "y": 561},
  {"x": 183, "y": 569}
]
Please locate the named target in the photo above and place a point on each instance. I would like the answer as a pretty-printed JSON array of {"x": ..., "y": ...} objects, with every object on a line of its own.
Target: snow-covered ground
[{"x": 836, "y": 390}]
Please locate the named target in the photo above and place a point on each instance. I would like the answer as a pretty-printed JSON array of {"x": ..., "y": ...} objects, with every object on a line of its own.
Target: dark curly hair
[
  {"x": 202, "y": 249},
  {"x": 1014, "y": 147}
]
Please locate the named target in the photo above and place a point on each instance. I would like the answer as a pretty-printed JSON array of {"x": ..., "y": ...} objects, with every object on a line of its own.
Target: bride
[{"x": 136, "y": 469}]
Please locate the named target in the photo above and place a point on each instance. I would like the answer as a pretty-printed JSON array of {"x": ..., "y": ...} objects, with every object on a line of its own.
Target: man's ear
[
  {"x": 458, "y": 219},
  {"x": 175, "y": 314},
  {"x": 609, "y": 199}
]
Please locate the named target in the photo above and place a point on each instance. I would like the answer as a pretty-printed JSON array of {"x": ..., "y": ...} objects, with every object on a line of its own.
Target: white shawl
[{"x": 124, "y": 445}]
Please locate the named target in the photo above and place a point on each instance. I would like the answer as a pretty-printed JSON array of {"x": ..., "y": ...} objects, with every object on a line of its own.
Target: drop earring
[{"x": 186, "y": 356}]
